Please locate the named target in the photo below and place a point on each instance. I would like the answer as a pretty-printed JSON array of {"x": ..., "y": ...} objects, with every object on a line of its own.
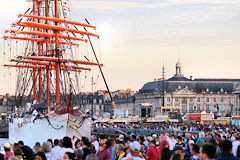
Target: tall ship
[{"x": 44, "y": 43}]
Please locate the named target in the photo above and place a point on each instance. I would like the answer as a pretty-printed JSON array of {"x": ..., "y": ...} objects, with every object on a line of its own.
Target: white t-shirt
[
  {"x": 170, "y": 143},
  {"x": 56, "y": 152},
  {"x": 64, "y": 150},
  {"x": 96, "y": 145},
  {"x": 235, "y": 145}
]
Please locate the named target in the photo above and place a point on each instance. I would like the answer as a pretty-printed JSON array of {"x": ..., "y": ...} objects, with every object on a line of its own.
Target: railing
[{"x": 146, "y": 132}]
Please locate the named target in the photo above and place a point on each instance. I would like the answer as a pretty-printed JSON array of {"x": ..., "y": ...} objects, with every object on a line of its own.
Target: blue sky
[{"x": 137, "y": 37}]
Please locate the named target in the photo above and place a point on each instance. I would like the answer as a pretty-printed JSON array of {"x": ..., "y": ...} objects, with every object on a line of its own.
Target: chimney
[{"x": 191, "y": 77}]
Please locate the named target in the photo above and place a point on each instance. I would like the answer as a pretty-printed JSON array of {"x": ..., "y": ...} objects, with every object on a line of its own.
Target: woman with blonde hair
[
  {"x": 201, "y": 138},
  {"x": 112, "y": 148}
]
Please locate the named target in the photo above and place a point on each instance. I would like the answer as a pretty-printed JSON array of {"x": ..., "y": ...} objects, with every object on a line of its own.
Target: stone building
[
  {"x": 193, "y": 96},
  {"x": 236, "y": 107},
  {"x": 125, "y": 103}
]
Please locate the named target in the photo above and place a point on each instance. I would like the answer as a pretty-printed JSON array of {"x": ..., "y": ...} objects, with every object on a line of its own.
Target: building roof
[{"x": 221, "y": 86}]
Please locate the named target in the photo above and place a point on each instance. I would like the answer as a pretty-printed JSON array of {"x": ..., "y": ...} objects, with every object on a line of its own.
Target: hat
[
  {"x": 190, "y": 142},
  {"x": 7, "y": 145},
  {"x": 149, "y": 138},
  {"x": 135, "y": 146},
  {"x": 121, "y": 136},
  {"x": 154, "y": 135}
]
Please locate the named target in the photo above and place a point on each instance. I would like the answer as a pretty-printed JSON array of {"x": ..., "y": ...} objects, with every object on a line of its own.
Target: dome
[{"x": 178, "y": 64}]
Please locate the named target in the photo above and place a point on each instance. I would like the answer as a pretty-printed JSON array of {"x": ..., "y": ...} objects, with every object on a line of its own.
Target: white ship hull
[{"x": 55, "y": 126}]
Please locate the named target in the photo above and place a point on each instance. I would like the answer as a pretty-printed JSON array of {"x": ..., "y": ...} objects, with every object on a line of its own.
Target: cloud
[
  {"x": 211, "y": 2},
  {"x": 105, "y": 4}
]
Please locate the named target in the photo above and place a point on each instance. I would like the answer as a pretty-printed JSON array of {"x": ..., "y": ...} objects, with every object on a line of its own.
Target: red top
[
  {"x": 162, "y": 145},
  {"x": 153, "y": 153},
  {"x": 8, "y": 155},
  {"x": 104, "y": 155}
]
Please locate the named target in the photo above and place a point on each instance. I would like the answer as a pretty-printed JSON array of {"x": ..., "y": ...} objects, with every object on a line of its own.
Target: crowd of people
[
  {"x": 176, "y": 126},
  {"x": 219, "y": 143}
]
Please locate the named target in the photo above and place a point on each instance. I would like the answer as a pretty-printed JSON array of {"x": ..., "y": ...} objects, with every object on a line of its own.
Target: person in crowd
[
  {"x": 37, "y": 147},
  {"x": 226, "y": 147},
  {"x": 40, "y": 156},
  {"x": 7, "y": 150},
  {"x": 135, "y": 151},
  {"x": 68, "y": 156},
  {"x": 153, "y": 153},
  {"x": 120, "y": 151},
  {"x": 50, "y": 140},
  {"x": 207, "y": 152},
  {"x": 104, "y": 153},
  {"x": 174, "y": 141},
  {"x": 15, "y": 158},
  {"x": 78, "y": 154},
  {"x": 235, "y": 145},
  {"x": 18, "y": 152},
  {"x": 176, "y": 157},
  {"x": 27, "y": 151},
  {"x": 201, "y": 138},
  {"x": 179, "y": 150},
  {"x": 166, "y": 154},
  {"x": 169, "y": 141},
  {"x": 180, "y": 142},
  {"x": 194, "y": 150},
  {"x": 163, "y": 143},
  {"x": 127, "y": 148},
  {"x": 91, "y": 157},
  {"x": 112, "y": 148},
  {"x": 66, "y": 146},
  {"x": 85, "y": 147},
  {"x": 56, "y": 149},
  {"x": 47, "y": 147},
  {"x": 120, "y": 139},
  {"x": 95, "y": 143}
]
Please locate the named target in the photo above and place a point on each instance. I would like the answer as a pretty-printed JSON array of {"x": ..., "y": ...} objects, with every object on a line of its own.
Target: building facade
[{"x": 193, "y": 96}]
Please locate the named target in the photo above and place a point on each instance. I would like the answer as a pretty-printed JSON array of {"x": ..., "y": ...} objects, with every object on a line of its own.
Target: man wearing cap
[
  {"x": 120, "y": 139},
  {"x": 153, "y": 152},
  {"x": 7, "y": 150},
  {"x": 134, "y": 149}
]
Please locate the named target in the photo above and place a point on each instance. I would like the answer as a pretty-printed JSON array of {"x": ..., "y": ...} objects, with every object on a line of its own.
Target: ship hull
[{"x": 53, "y": 126}]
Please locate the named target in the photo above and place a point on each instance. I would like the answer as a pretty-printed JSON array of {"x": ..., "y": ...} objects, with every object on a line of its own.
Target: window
[
  {"x": 199, "y": 99},
  {"x": 207, "y": 107},
  {"x": 214, "y": 99},
  {"x": 191, "y": 108},
  {"x": 198, "y": 107},
  {"x": 222, "y": 107},
  {"x": 176, "y": 99},
  {"x": 222, "y": 99},
  {"x": 168, "y": 104},
  {"x": 191, "y": 99},
  {"x": 229, "y": 100},
  {"x": 207, "y": 99},
  {"x": 168, "y": 99}
]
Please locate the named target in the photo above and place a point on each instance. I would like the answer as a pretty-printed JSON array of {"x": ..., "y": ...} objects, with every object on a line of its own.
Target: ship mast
[
  {"x": 57, "y": 55},
  {"x": 42, "y": 29}
]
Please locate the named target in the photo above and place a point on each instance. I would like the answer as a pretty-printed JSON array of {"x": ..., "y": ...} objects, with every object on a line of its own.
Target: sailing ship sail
[{"x": 48, "y": 72}]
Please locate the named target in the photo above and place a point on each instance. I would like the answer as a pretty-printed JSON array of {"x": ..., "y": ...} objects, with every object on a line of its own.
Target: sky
[{"x": 138, "y": 37}]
